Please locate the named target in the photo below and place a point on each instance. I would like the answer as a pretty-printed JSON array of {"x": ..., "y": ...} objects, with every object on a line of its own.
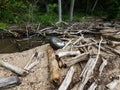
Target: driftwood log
[
  {"x": 113, "y": 84},
  {"x": 93, "y": 86},
  {"x": 66, "y": 82},
  {"x": 9, "y": 82},
  {"x": 13, "y": 68},
  {"x": 74, "y": 60},
  {"x": 67, "y": 53},
  {"x": 53, "y": 66}
]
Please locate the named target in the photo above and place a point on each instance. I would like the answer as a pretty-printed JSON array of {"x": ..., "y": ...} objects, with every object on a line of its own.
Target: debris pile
[
  {"x": 89, "y": 59},
  {"x": 92, "y": 57}
]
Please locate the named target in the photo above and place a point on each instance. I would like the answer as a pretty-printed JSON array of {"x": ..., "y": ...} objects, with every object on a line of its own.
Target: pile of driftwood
[
  {"x": 91, "y": 51},
  {"x": 84, "y": 63}
]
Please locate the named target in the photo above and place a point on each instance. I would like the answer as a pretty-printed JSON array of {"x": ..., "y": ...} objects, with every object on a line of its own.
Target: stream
[{"x": 12, "y": 45}]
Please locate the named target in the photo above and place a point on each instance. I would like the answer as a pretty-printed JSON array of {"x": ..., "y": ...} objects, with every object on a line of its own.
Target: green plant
[
  {"x": 3, "y": 26},
  {"x": 52, "y": 7},
  {"x": 46, "y": 18}
]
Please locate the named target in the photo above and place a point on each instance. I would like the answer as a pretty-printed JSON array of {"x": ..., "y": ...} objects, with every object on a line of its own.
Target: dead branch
[
  {"x": 34, "y": 63},
  {"x": 67, "y": 44},
  {"x": 78, "y": 40},
  {"x": 66, "y": 82},
  {"x": 33, "y": 57}
]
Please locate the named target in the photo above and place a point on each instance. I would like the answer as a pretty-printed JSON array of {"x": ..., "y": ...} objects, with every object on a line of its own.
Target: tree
[
  {"x": 60, "y": 11},
  {"x": 71, "y": 9}
]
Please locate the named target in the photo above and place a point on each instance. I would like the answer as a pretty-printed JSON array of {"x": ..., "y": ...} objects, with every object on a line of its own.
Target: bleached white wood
[
  {"x": 13, "y": 68},
  {"x": 66, "y": 82}
]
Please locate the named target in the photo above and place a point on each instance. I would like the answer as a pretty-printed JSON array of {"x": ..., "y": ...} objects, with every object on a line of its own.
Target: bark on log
[
  {"x": 53, "y": 67},
  {"x": 13, "y": 68},
  {"x": 9, "y": 82}
]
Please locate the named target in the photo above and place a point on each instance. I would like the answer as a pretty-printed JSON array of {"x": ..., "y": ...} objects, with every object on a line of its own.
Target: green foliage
[
  {"x": 3, "y": 26},
  {"x": 52, "y": 7},
  {"x": 12, "y": 11},
  {"x": 113, "y": 9},
  {"x": 78, "y": 17},
  {"x": 46, "y": 18},
  {"x": 17, "y": 11}
]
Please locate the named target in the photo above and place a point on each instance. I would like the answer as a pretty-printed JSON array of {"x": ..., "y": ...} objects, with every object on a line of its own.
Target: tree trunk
[
  {"x": 94, "y": 5},
  {"x": 47, "y": 8},
  {"x": 71, "y": 9},
  {"x": 60, "y": 10}
]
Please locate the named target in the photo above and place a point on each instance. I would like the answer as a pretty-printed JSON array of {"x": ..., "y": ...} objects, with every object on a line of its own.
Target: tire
[{"x": 56, "y": 43}]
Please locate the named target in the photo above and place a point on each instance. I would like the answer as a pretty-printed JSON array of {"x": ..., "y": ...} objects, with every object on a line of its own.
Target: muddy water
[
  {"x": 6, "y": 45},
  {"x": 18, "y": 45}
]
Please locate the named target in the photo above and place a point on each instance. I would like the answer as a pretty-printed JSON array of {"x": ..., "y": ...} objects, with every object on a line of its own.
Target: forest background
[{"x": 45, "y": 12}]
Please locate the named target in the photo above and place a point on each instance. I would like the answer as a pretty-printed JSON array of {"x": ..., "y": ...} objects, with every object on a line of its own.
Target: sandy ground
[
  {"x": 38, "y": 79},
  {"x": 35, "y": 80}
]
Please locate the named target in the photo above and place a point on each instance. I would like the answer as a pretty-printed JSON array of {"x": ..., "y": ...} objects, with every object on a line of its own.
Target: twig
[
  {"x": 78, "y": 40},
  {"x": 34, "y": 56},
  {"x": 45, "y": 29}
]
